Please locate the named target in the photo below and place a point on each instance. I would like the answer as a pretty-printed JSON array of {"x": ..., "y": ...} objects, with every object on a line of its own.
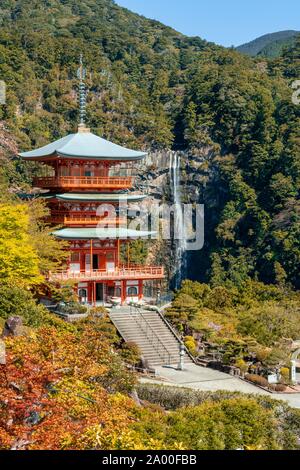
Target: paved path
[{"x": 205, "y": 379}]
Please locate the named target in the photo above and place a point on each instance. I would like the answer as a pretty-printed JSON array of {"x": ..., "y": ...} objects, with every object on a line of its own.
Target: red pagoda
[{"x": 87, "y": 173}]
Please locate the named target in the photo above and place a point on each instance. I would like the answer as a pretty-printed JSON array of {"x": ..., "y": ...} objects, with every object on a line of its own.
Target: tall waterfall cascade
[{"x": 180, "y": 236}]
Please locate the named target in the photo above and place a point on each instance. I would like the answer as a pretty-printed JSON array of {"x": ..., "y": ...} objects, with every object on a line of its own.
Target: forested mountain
[
  {"x": 155, "y": 88},
  {"x": 269, "y": 45}
]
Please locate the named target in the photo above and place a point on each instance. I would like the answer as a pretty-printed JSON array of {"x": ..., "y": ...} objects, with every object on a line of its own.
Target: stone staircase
[{"x": 151, "y": 332}]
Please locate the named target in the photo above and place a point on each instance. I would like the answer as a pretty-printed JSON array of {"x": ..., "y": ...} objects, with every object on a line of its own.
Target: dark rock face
[
  {"x": 13, "y": 327},
  {"x": 154, "y": 178}
]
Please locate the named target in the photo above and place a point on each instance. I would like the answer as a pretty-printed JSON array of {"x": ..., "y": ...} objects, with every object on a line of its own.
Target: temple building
[
  {"x": 88, "y": 188},
  {"x": 87, "y": 174}
]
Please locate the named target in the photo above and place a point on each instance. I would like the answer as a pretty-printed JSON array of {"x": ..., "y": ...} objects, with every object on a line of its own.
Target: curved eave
[
  {"x": 27, "y": 156},
  {"x": 103, "y": 157},
  {"x": 101, "y": 234},
  {"x": 60, "y": 155},
  {"x": 84, "y": 146},
  {"x": 97, "y": 197}
]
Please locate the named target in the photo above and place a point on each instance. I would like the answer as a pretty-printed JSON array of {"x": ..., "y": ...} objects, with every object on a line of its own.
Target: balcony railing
[
  {"x": 83, "y": 182},
  {"x": 118, "y": 274},
  {"x": 86, "y": 220}
]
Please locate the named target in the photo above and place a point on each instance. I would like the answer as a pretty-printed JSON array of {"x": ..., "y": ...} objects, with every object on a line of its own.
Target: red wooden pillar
[
  {"x": 91, "y": 255},
  {"x": 94, "y": 292},
  {"x": 141, "y": 294},
  {"x": 123, "y": 292},
  {"x": 118, "y": 253},
  {"x": 90, "y": 296},
  {"x": 82, "y": 262}
]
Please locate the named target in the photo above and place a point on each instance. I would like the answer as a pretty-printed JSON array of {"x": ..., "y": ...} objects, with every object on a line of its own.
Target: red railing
[
  {"x": 88, "y": 220},
  {"x": 83, "y": 182},
  {"x": 122, "y": 273}
]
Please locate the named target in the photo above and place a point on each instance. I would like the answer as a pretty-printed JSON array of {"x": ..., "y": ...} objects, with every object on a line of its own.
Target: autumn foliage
[{"x": 52, "y": 395}]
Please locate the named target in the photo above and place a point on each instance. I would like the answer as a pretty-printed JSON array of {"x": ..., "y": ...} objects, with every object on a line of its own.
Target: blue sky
[{"x": 226, "y": 22}]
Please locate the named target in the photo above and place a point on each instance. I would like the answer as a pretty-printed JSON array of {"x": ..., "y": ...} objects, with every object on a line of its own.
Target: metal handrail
[
  {"x": 139, "y": 315},
  {"x": 168, "y": 324}
]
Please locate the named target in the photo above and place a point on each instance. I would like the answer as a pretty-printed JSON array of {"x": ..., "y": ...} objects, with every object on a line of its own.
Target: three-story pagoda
[{"x": 87, "y": 173}]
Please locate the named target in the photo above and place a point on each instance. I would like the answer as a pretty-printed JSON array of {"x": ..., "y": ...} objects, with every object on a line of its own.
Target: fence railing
[
  {"x": 83, "y": 181},
  {"x": 121, "y": 273},
  {"x": 86, "y": 220}
]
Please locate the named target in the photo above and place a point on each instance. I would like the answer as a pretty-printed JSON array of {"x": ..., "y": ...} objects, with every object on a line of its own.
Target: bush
[
  {"x": 172, "y": 398},
  {"x": 131, "y": 353},
  {"x": 16, "y": 301},
  {"x": 257, "y": 380},
  {"x": 242, "y": 365},
  {"x": 230, "y": 424},
  {"x": 280, "y": 388},
  {"x": 285, "y": 373},
  {"x": 239, "y": 422},
  {"x": 100, "y": 323},
  {"x": 98, "y": 311},
  {"x": 190, "y": 343},
  {"x": 72, "y": 308}
]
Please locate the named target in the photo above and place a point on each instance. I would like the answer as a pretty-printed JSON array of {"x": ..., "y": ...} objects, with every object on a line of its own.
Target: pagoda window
[
  {"x": 82, "y": 294},
  {"x": 88, "y": 262},
  {"x": 88, "y": 170},
  {"x": 95, "y": 261},
  {"x": 110, "y": 261},
  {"x": 75, "y": 257},
  {"x": 132, "y": 291},
  {"x": 75, "y": 262}
]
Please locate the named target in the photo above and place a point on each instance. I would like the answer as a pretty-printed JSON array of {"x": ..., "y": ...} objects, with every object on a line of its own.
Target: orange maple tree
[{"x": 52, "y": 391}]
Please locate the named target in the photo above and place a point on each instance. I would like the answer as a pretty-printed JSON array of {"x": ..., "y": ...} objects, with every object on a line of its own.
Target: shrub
[
  {"x": 190, "y": 343},
  {"x": 172, "y": 398},
  {"x": 16, "y": 301},
  {"x": 240, "y": 422},
  {"x": 98, "y": 311},
  {"x": 102, "y": 324},
  {"x": 73, "y": 308},
  {"x": 285, "y": 373},
  {"x": 242, "y": 365},
  {"x": 280, "y": 388},
  {"x": 229, "y": 424},
  {"x": 257, "y": 380},
  {"x": 131, "y": 353}
]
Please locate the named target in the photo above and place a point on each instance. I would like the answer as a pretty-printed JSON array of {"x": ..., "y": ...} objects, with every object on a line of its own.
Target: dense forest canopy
[
  {"x": 269, "y": 45},
  {"x": 155, "y": 88},
  {"x": 70, "y": 386}
]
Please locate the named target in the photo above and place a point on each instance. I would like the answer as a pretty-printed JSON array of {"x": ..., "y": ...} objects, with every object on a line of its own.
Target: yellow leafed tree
[{"x": 19, "y": 262}]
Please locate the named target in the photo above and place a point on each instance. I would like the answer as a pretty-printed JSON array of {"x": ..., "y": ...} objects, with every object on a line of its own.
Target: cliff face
[
  {"x": 154, "y": 174},
  {"x": 155, "y": 177}
]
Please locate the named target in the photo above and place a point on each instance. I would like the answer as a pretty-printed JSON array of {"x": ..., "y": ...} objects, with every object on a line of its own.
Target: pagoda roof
[
  {"x": 96, "y": 233},
  {"x": 95, "y": 197},
  {"x": 83, "y": 145}
]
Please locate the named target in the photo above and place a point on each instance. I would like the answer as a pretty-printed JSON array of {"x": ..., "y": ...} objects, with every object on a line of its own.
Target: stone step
[{"x": 159, "y": 346}]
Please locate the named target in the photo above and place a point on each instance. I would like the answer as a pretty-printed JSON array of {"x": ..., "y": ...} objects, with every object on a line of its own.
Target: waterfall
[{"x": 179, "y": 228}]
